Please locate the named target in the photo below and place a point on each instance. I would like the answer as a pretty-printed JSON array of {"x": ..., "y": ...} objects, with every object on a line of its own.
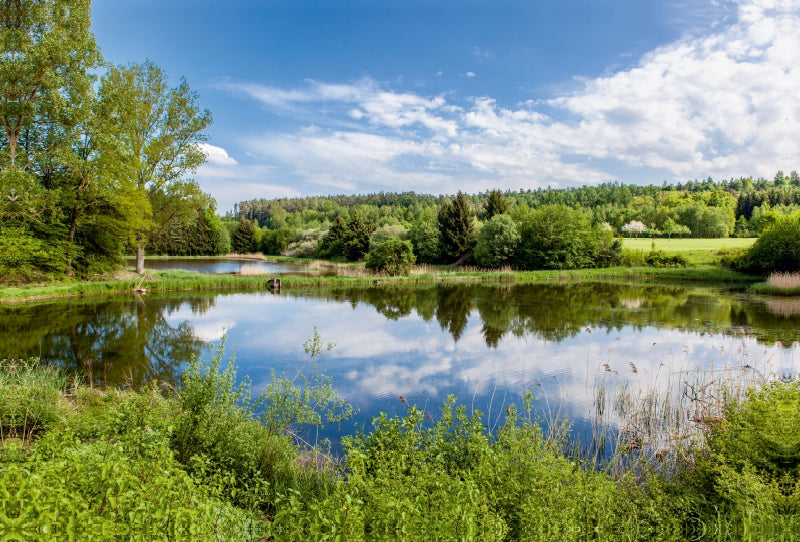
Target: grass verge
[{"x": 170, "y": 281}]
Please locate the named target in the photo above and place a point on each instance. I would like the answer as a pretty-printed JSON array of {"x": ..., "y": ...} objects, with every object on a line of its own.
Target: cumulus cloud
[
  {"x": 216, "y": 155},
  {"x": 723, "y": 104}
]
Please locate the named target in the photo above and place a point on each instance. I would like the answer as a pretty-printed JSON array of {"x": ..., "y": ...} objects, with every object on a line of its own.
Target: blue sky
[{"x": 340, "y": 97}]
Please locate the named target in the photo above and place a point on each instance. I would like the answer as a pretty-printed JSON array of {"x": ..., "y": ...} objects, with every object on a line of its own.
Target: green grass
[{"x": 698, "y": 251}]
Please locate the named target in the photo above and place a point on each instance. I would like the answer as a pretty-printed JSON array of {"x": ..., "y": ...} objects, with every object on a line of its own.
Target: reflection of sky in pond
[
  {"x": 226, "y": 266},
  {"x": 375, "y": 360}
]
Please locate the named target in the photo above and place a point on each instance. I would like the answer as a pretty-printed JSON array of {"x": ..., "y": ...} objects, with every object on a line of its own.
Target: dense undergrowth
[{"x": 207, "y": 461}]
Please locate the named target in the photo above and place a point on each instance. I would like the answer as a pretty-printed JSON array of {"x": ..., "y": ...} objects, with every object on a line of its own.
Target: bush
[
  {"x": 777, "y": 249},
  {"x": 659, "y": 258},
  {"x": 393, "y": 257}
]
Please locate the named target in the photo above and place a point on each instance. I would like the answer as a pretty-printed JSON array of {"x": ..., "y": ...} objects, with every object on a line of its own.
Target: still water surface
[{"x": 487, "y": 345}]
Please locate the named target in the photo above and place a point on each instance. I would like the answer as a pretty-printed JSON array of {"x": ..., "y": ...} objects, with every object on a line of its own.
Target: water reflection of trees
[
  {"x": 556, "y": 311},
  {"x": 122, "y": 340}
]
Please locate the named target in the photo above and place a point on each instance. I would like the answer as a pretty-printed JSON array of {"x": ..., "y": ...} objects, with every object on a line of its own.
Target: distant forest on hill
[{"x": 707, "y": 208}]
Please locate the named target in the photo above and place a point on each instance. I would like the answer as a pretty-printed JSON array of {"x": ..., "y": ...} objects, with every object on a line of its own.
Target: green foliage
[
  {"x": 98, "y": 465},
  {"x": 386, "y": 232},
  {"x": 777, "y": 249},
  {"x": 355, "y": 244},
  {"x": 659, "y": 258},
  {"x": 496, "y": 204},
  {"x": 497, "y": 242},
  {"x": 746, "y": 483},
  {"x": 24, "y": 258},
  {"x": 455, "y": 227},
  {"x": 29, "y": 402},
  {"x": 558, "y": 237},
  {"x": 244, "y": 239},
  {"x": 393, "y": 257},
  {"x": 424, "y": 236},
  {"x": 276, "y": 242},
  {"x": 220, "y": 435}
]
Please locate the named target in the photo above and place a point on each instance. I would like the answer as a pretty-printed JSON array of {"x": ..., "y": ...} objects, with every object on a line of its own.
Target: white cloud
[
  {"x": 723, "y": 104},
  {"x": 216, "y": 155},
  {"x": 469, "y": 75}
]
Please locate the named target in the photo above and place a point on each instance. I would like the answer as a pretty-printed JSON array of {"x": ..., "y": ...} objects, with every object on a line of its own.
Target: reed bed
[
  {"x": 784, "y": 281},
  {"x": 784, "y": 284},
  {"x": 662, "y": 423}
]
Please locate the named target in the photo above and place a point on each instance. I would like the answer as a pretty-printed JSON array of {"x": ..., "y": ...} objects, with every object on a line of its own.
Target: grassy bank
[
  {"x": 352, "y": 275},
  {"x": 206, "y": 461}
]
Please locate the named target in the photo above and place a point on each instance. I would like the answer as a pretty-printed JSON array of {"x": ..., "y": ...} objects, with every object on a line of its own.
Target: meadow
[{"x": 697, "y": 251}]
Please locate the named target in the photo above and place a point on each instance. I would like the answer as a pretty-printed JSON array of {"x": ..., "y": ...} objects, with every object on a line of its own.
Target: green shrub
[
  {"x": 659, "y": 258},
  {"x": 777, "y": 249},
  {"x": 393, "y": 257},
  {"x": 220, "y": 435},
  {"x": 497, "y": 242}
]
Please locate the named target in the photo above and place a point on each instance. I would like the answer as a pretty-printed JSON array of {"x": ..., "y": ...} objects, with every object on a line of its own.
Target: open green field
[{"x": 699, "y": 251}]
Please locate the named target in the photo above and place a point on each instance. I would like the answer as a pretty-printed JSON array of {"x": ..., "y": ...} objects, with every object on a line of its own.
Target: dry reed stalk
[
  {"x": 784, "y": 281},
  {"x": 251, "y": 270}
]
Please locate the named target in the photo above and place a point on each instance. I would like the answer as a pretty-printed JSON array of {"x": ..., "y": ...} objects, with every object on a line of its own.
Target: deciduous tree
[{"x": 159, "y": 129}]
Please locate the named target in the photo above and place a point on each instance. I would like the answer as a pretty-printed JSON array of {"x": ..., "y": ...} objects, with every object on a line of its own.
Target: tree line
[
  {"x": 525, "y": 229},
  {"x": 91, "y": 166}
]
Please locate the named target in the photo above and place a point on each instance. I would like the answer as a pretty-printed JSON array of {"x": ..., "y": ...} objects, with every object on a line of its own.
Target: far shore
[{"x": 350, "y": 275}]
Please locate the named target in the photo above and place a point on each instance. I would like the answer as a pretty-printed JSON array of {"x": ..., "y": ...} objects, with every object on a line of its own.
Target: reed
[
  {"x": 785, "y": 284},
  {"x": 663, "y": 423}
]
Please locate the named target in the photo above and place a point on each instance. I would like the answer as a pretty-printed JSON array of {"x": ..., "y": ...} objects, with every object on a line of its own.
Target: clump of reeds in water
[
  {"x": 784, "y": 281},
  {"x": 779, "y": 284},
  {"x": 662, "y": 424},
  {"x": 251, "y": 270}
]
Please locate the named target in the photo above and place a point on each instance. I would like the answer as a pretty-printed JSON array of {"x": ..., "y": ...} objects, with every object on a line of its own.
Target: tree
[
  {"x": 47, "y": 56},
  {"x": 159, "y": 130},
  {"x": 496, "y": 204},
  {"x": 356, "y": 242},
  {"x": 455, "y": 227},
  {"x": 331, "y": 244},
  {"x": 424, "y": 236},
  {"x": 557, "y": 237},
  {"x": 497, "y": 242},
  {"x": 244, "y": 239},
  {"x": 634, "y": 228},
  {"x": 393, "y": 256}
]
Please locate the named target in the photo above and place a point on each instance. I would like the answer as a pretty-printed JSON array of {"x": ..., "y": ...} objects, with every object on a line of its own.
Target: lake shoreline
[{"x": 174, "y": 281}]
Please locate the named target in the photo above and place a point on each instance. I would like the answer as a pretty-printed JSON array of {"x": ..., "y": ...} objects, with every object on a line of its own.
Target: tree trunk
[{"x": 140, "y": 258}]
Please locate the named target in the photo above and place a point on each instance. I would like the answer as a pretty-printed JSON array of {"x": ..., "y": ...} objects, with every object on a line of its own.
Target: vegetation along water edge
[{"x": 208, "y": 460}]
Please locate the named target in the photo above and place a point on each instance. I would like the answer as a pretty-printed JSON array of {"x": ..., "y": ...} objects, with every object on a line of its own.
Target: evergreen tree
[
  {"x": 496, "y": 204},
  {"x": 356, "y": 242},
  {"x": 244, "y": 239},
  {"x": 455, "y": 227}
]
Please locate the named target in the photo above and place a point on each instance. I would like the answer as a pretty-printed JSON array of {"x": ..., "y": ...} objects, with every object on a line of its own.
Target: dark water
[{"x": 486, "y": 344}]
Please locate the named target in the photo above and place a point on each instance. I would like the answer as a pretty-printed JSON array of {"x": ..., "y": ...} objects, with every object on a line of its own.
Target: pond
[
  {"x": 219, "y": 266},
  {"x": 487, "y": 344}
]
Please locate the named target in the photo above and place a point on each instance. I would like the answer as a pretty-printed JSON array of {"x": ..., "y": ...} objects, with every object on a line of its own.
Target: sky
[{"x": 320, "y": 97}]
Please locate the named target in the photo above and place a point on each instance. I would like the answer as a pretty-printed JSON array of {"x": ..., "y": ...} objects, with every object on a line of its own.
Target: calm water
[
  {"x": 486, "y": 344},
  {"x": 226, "y": 266}
]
